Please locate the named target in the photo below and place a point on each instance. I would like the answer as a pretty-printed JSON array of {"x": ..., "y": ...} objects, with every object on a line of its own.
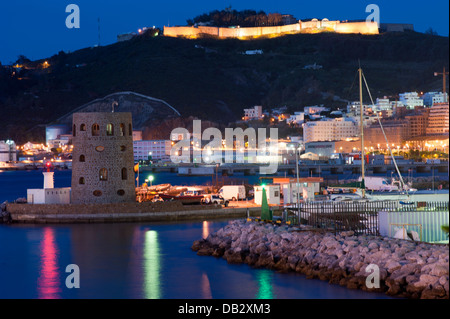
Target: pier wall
[{"x": 121, "y": 212}]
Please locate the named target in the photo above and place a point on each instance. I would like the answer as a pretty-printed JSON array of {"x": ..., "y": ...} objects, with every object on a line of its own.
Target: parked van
[{"x": 232, "y": 192}]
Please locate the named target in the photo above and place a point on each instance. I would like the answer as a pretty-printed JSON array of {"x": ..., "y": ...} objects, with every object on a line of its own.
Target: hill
[{"x": 213, "y": 80}]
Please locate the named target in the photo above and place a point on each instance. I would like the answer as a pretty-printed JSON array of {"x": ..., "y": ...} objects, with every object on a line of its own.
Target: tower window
[
  {"x": 82, "y": 158},
  {"x": 109, "y": 129},
  {"x": 122, "y": 129},
  {"x": 74, "y": 131},
  {"x": 130, "y": 130},
  {"x": 83, "y": 127},
  {"x": 81, "y": 181},
  {"x": 124, "y": 173},
  {"x": 95, "y": 130},
  {"x": 103, "y": 174}
]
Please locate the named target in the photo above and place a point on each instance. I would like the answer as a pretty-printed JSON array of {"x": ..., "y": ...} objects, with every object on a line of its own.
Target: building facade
[
  {"x": 330, "y": 129},
  {"x": 102, "y": 160},
  {"x": 438, "y": 119},
  {"x": 255, "y": 113},
  {"x": 152, "y": 149},
  {"x": 8, "y": 152}
]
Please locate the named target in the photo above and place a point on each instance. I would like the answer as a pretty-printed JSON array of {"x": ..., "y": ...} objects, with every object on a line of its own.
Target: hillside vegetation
[{"x": 212, "y": 79}]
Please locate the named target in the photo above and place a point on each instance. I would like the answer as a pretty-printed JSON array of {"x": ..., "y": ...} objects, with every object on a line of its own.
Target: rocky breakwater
[{"x": 406, "y": 268}]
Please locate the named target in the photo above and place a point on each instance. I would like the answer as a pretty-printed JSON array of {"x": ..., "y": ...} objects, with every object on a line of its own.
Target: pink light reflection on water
[{"x": 48, "y": 281}]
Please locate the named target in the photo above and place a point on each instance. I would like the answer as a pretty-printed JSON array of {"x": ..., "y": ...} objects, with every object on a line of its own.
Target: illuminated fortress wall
[{"x": 313, "y": 26}]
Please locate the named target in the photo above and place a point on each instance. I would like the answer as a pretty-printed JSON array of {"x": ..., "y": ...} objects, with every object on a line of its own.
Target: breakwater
[
  {"x": 406, "y": 268},
  {"x": 118, "y": 212}
]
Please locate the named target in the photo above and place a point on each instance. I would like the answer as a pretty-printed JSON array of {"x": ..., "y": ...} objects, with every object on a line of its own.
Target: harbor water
[{"x": 133, "y": 260}]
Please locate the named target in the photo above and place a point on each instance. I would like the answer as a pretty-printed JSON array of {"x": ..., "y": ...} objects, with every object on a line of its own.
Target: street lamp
[{"x": 150, "y": 178}]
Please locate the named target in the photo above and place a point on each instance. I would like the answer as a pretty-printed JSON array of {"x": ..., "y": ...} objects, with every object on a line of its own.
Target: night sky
[{"x": 37, "y": 29}]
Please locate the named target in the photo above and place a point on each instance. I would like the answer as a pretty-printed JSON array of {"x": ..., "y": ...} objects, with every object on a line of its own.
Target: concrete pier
[{"x": 122, "y": 212}]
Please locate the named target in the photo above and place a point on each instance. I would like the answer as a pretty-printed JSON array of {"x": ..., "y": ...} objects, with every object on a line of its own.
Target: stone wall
[{"x": 308, "y": 26}]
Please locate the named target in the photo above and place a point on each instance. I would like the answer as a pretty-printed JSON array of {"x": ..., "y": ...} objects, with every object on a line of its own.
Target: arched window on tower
[
  {"x": 109, "y": 129},
  {"x": 95, "y": 130},
  {"x": 103, "y": 174},
  {"x": 83, "y": 127},
  {"x": 81, "y": 181},
  {"x": 122, "y": 129},
  {"x": 82, "y": 158},
  {"x": 74, "y": 131},
  {"x": 124, "y": 173}
]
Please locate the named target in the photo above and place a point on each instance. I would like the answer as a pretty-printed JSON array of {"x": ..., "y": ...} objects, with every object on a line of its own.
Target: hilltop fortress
[{"x": 313, "y": 26}]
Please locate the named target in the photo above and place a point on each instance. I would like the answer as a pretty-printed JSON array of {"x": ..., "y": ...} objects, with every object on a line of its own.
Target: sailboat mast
[{"x": 362, "y": 134}]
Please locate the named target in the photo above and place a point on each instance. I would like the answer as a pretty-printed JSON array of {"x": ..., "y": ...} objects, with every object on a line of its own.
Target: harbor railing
[{"x": 360, "y": 217}]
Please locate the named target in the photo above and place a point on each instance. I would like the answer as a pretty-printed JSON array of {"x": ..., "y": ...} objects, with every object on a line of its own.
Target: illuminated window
[
  {"x": 83, "y": 127},
  {"x": 81, "y": 181},
  {"x": 122, "y": 129},
  {"x": 95, "y": 130},
  {"x": 109, "y": 129},
  {"x": 124, "y": 173},
  {"x": 82, "y": 158},
  {"x": 103, "y": 174}
]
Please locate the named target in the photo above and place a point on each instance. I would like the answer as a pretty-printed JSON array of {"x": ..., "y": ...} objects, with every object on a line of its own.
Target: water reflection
[
  {"x": 265, "y": 280},
  {"x": 206, "y": 287},
  {"x": 205, "y": 229},
  {"x": 152, "y": 264},
  {"x": 48, "y": 281}
]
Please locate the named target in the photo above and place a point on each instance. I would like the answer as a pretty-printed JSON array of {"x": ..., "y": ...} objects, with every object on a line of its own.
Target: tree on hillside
[{"x": 244, "y": 18}]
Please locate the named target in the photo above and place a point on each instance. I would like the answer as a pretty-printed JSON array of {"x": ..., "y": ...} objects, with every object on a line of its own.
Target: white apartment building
[
  {"x": 330, "y": 129},
  {"x": 354, "y": 109},
  {"x": 410, "y": 99},
  {"x": 255, "y": 113},
  {"x": 154, "y": 149},
  {"x": 438, "y": 119},
  {"x": 383, "y": 104},
  {"x": 296, "y": 118},
  {"x": 431, "y": 98}
]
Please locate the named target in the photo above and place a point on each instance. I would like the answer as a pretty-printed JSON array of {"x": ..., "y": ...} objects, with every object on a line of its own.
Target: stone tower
[{"x": 102, "y": 158}]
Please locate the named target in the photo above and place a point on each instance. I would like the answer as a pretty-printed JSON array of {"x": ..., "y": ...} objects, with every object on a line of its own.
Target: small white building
[
  {"x": 273, "y": 193},
  {"x": 255, "y": 113},
  {"x": 296, "y": 118},
  {"x": 48, "y": 194},
  {"x": 307, "y": 189},
  {"x": 8, "y": 151}
]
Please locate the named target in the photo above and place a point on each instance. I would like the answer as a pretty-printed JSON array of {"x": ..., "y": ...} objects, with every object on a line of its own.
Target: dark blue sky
[{"x": 37, "y": 29}]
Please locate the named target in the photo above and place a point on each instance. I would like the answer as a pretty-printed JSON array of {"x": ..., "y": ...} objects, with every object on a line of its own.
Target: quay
[
  {"x": 253, "y": 169},
  {"x": 290, "y": 169},
  {"x": 122, "y": 212}
]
